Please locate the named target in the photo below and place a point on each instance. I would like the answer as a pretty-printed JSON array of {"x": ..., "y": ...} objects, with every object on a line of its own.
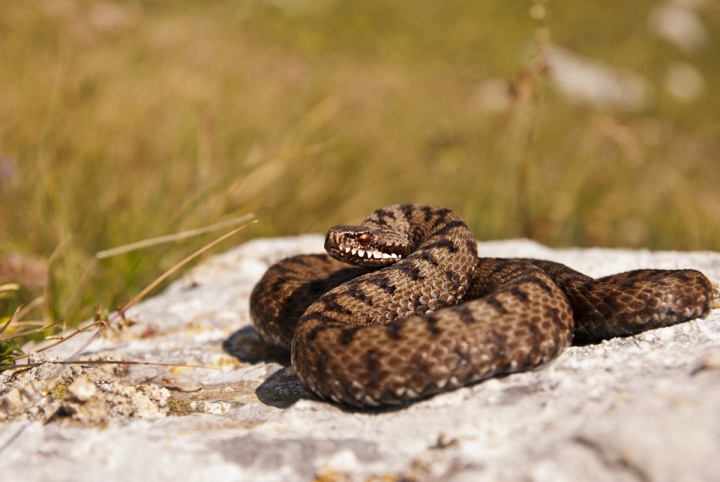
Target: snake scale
[{"x": 419, "y": 313}]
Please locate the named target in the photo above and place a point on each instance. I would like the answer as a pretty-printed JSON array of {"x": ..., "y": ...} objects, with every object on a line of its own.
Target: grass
[{"x": 122, "y": 121}]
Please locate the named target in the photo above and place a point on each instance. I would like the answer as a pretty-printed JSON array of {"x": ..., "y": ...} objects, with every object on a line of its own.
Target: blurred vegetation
[{"x": 121, "y": 121}]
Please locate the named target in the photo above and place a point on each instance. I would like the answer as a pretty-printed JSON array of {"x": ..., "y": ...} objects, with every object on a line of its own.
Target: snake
[{"x": 401, "y": 308}]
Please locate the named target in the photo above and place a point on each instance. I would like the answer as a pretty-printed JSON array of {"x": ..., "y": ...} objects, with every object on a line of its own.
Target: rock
[
  {"x": 641, "y": 408},
  {"x": 83, "y": 393},
  {"x": 82, "y": 389}
]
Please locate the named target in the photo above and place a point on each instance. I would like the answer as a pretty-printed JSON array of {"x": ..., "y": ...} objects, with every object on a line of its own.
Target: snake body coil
[{"x": 421, "y": 313}]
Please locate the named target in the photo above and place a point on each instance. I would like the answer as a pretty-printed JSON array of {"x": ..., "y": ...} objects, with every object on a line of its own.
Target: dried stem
[{"x": 121, "y": 312}]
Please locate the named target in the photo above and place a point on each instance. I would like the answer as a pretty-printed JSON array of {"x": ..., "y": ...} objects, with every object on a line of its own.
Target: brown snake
[{"x": 422, "y": 314}]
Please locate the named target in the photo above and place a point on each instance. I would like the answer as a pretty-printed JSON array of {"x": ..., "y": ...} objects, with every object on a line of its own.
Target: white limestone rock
[{"x": 640, "y": 408}]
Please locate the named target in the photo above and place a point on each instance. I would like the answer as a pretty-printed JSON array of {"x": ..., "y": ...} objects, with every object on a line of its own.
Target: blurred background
[{"x": 590, "y": 123}]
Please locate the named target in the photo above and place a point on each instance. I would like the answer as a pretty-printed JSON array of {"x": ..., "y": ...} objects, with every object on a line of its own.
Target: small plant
[
  {"x": 11, "y": 344},
  {"x": 10, "y": 348}
]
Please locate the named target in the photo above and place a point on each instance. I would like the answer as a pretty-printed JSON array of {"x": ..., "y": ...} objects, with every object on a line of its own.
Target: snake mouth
[
  {"x": 361, "y": 247},
  {"x": 368, "y": 253},
  {"x": 364, "y": 256}
]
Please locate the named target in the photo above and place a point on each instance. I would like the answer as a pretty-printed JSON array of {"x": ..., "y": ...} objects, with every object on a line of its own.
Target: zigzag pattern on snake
[{"x": 420, "y": 313}]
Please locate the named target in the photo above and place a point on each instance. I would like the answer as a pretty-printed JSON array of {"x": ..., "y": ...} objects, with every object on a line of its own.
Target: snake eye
[{"x": 364, "y": 239}]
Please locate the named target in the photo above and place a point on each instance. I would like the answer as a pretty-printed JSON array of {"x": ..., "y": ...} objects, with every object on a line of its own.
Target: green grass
[{"x": 134, "y": 119}]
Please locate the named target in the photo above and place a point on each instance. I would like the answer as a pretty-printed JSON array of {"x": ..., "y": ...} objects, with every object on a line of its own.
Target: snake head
[{"x": 369, "y": 248}]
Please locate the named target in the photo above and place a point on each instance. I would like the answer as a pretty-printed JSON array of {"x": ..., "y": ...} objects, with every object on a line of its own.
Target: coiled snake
[{"x": 420, "y": 313}]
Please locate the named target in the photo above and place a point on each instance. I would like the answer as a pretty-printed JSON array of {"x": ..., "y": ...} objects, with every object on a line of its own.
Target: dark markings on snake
[
  {"x": 474, "y": 343},
  {"x": 333, "y": 306},
  {"x": 299, "y": 261},
  {"x": 451, "y": 276},
  {"x": 407, "y": 210},
  {"x": 382, "y": 282},
  {"x": 307, "y": 261},
  {"x": 432, "y": 323},
  {"x": 347, "y": 335},
  {"x": 428, "y": 211},
  {"x": 535, "y": 332},
  {"x": 449, "y": 227},
  {"x": 440, "y": 219},
  {"x": 465, "y": 315},
  {"x": 540, "y": 284},
  {"x": 499, "y": 345},
  {"x": 429, "y": 258},
  {"x": 316, "y": 331},
  {"x": 394, "y": 330},
  {"x": 518, "y": 293},
  {"x": 442, "y": 244},
  {"x": 497, "y": 304},
  {"x": 412, "y": 271},
  {"x": 358, "y": 294},
  {"x": 499, "y": 267},
  {"x": 277, "y": 284},
  {"x": 371, "y": 361},
  {"x": 320, "y": 363},
  {"x": 552, "y": 313},
  {"x": 322, "y": 318},
  {"x": 383, "y": 215}
]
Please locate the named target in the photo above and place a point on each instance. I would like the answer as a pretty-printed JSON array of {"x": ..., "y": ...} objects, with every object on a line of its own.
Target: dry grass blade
[
  {"x": 29, "y": 332},
  {"x": 182, "y": 263},
  {"x": 31, "y": 306},
  {"x": 9, "y": 346},
  {"x": 171, "y": 237},
  {"x": 103, "y": 362},
  {"x": 47, "y": 347},
  {"x": 9, "y": 287},
  {"x": 151, "y": 286},
  {"x": 49, "y": 288},
  {"x": 30, "y": 323},
  {"x": 14, "y": 315},
  {"x": 75, "y": 295}
]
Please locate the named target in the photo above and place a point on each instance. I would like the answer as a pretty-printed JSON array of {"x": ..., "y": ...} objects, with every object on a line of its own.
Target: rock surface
[{"x": 642, "y": 408}]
